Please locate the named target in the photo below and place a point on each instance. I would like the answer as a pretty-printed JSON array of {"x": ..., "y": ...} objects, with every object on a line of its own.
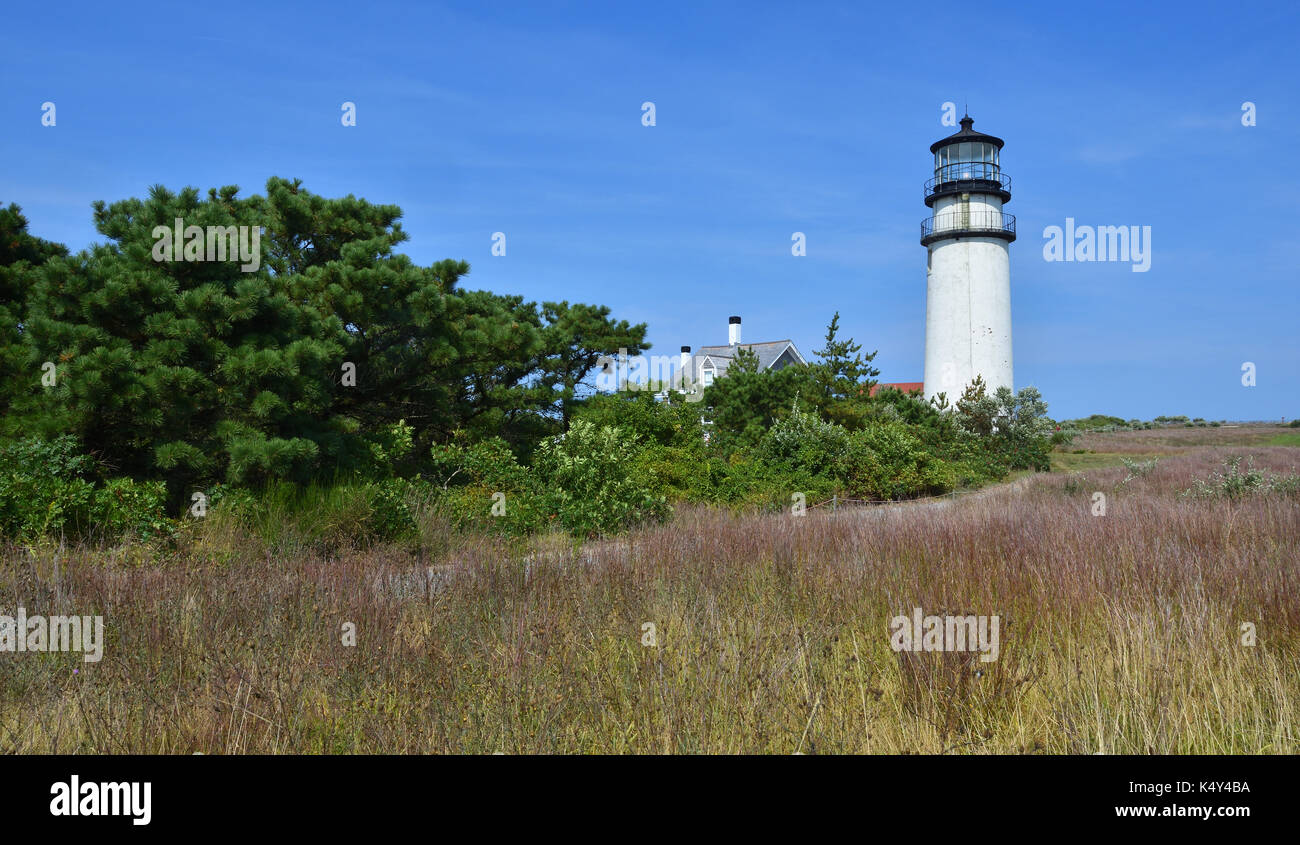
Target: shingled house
[{"x": 711, "y": 362}]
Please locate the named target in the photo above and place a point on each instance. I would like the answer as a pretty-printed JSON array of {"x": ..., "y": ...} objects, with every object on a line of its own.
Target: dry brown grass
[
  {"x": 1177, "y": 439},
  {"x": 1120, "y": 633}
]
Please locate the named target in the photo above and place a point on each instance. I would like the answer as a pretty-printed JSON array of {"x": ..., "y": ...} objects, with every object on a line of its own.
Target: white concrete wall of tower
[
  {"x": 949, "y": 212},
  {"x": 968, "y": 315}
]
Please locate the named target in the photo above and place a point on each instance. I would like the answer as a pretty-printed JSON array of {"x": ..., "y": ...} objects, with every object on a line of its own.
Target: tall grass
[{"x": 1120, "y": 633}]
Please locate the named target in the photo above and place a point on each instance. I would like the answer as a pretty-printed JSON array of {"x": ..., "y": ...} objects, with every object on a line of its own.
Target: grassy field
[
  {"x": 1094, "y": 451},
  {"x": 1119, "y": 633}
]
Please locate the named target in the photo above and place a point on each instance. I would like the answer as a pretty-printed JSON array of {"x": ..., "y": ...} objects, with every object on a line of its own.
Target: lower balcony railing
[{"x": 954, "y": 224}]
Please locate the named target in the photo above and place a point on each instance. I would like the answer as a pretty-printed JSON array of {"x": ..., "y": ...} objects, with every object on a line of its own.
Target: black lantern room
[{"x": 966, "y": 162}]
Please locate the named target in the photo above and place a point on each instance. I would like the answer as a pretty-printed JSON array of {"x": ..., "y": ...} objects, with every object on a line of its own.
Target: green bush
[
  {"x": 680, "y": 472},
  {"x": 487, "y": 463},
  {"x": 239, "y": 503},
  {"x": 392, "y": 516},
  {"x": 973, "y": 461},
  {"x": 34, "y": 505},
  {"x": 803, "y": 441},
  {"x": 1099, "y": 421},
  {"x": 1236, "y": 483},
  {"x": 391, "y": 446},
  {"x": 124, "y": 506},
  {"x": 650, "y": 422},
  {"x": 747, "y": 481},
  {"x": 589, "y": 483},
  {"x": 42, "y": 489},
  {"x": 888, "y": 461},
  {"x": 483, "y": 487},
  {"x": 45, "y": 490}
]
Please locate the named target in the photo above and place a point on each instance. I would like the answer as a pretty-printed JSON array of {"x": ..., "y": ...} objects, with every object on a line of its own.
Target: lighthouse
[{"x": 968, "y": 265}]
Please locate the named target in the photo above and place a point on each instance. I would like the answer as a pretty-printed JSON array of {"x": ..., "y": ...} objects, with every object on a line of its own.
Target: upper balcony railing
[
  {"x": 954, "y": 224},
  {"x": 968, "y": 177}
]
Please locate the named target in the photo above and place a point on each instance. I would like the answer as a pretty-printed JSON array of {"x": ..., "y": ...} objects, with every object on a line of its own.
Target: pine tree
[
  {"x": 20, "y": 252},
  {"x": 744, "y": 361},
  {"x": 574, "y": 340},
  {"x": 191, "y": 364},
  {"x": 188, "y": 369},
  {"x": 208, "y": 370},
  {"x": 745, "y": 404},
  {"x": 844, "y": 376}
]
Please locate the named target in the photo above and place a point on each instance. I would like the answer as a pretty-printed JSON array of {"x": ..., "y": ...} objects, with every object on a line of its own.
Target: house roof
[
  {"x": 904, "y": 386},
  {"x": 768, "y": 353}
]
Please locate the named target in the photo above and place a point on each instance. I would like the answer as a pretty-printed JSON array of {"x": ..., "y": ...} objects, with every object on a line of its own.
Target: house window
[{"x": 706, "y": 376}]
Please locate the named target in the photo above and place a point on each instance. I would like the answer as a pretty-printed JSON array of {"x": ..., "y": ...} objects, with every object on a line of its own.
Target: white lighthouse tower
[{"x": 968, "y": 267}]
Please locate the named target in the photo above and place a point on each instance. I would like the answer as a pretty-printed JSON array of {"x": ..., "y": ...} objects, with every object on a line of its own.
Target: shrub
[
  {"x": 126, "y": 506},
  {"x": 1137, "y": 469},
  {"x": 931, "y": 424},
  {"x": 238, "y": 503},
  {"x": 1098, "y": 422},
  {"x": 391, "y": 446},
  {"x": 44, "y": 490},
  {"x": 803, "y": 441},
  {"x": 391, "y": 507},
  {"x": 487, "y": 463},
  {"x": 41, "y": 488},
  {"x": 678, "y": 471},
  {"x": 1235, "y": 483},
  {"x": 888, "y": 461},
  {"x": 745, "y": 481},
  {"x": 323, "y": 517},
  {"x": 589, "y": 484},
  {"x": 467, "y": 481},
  {"x": 645, "y": 419},
  {"x": 973, "y": 461}
]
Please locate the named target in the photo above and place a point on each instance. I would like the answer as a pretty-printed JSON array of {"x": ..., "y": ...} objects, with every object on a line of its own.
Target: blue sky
[{"x": 817, "y": 118}]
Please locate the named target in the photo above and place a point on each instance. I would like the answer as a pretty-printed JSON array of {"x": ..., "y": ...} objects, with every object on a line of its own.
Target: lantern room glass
[{"x": 967, "y": 160}]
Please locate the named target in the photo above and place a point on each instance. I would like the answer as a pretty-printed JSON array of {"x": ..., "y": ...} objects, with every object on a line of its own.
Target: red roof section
[{"x": 904, "y": 386}]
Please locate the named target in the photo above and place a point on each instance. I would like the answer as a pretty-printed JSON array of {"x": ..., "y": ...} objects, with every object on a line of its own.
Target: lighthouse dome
[{"x": 966, "y": 134}]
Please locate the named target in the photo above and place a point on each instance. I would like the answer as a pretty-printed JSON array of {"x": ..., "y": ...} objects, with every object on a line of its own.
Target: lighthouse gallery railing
[
  {"x": 972, "y": 176},
  {"x": 953, "y": 223}
]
